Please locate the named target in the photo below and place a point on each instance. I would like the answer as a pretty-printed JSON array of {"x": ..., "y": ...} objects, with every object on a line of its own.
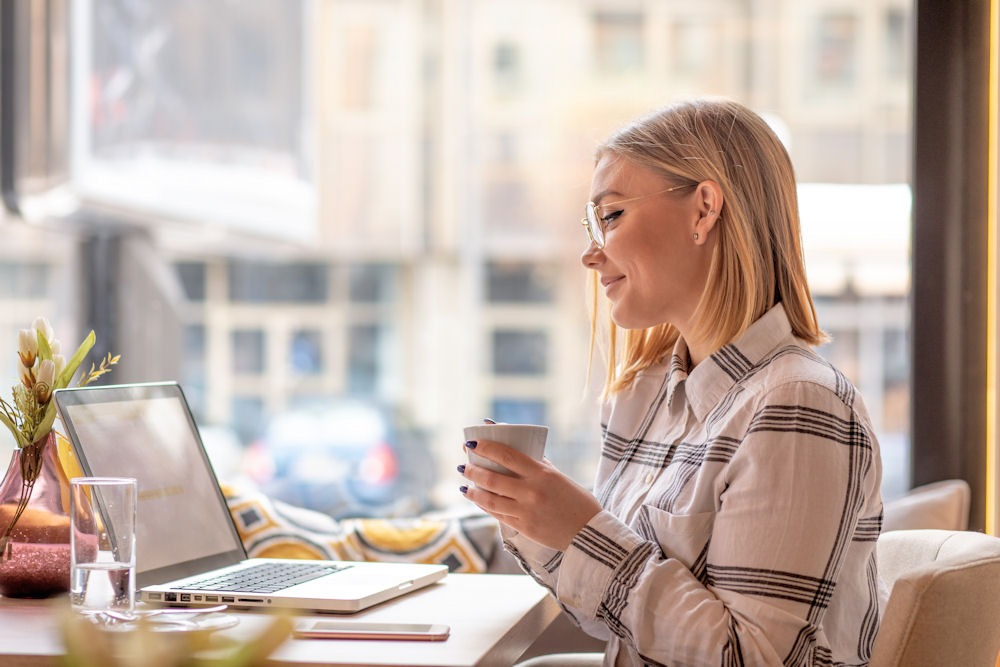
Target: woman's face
[{"x": 652, "y": 268}]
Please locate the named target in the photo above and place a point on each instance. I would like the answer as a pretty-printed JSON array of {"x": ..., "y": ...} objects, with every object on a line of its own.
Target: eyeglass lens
[{"x": 594, "y": 226}]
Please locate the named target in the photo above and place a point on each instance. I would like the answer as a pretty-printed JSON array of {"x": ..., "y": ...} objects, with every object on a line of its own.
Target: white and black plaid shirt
[{"x": 742, "y": 506}]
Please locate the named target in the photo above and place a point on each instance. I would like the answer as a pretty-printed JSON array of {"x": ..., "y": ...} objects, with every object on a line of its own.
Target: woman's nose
[{"x": 591, "y": 255}]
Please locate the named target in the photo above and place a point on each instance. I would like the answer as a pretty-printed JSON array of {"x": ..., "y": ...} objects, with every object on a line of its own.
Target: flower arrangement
[{"x": 29, "y": 418}]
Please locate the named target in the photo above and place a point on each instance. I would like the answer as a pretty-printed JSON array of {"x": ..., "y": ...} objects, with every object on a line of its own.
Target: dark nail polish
[
  {"x": 487, "y": 420},
  {"x": 463, "y": 489},
  {"x": 471, "y": 444},
  {"x": 461, "y": 467}
]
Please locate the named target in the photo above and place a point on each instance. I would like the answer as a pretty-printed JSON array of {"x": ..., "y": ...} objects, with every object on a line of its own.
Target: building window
[
  {"x": 248, "y": 351},
  {"x": 519, "y": 411},
  {"x": 192, "y": 278},
  {"x": 24, "y": 280},
  {"x": 692, "y": 48},
  {"x": 836, "y": 52},
  {"x": 896, "y": 45},
  {"x": 519, "y": 282},
  {"x": 363, "y": 343},
  {"x": 261, "y": 282},
  {"x": 507, "y": 67},
  {"x": 618, "y": 42},
  {"x": 372, "y": 283},
  {"x": 193, "y": 369},
  {"x": 248, "y": 417},
  {"x": 306, "y": 352},
  {"x": 518, "y": 352}
]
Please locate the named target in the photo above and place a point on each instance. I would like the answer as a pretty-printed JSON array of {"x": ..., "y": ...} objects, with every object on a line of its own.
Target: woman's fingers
[{"x": 506, "y": 456}]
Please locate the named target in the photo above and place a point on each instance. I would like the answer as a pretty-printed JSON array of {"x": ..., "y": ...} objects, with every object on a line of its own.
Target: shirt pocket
[{"x": 680, "y": 536}]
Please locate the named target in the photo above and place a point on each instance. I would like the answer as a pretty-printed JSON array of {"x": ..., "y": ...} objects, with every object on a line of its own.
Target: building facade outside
[{"x": 449, "y": 152}]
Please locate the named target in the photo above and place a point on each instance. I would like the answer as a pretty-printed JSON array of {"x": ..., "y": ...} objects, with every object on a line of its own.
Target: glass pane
[
  {"x": 248, "y": 351},
  {"x": 372, "y": 283},
  {"x": 306, "y": 353},
  {"x": 618, "y": 43},
  {"x": 192, "y": 277},
  {"x": 363, "y": 358},
  {"x": 205, "y": 99},
  {"x": 517, "y": 282},
  {"x": 519, "y": 411},
  {"x": 402, "y": 184},
  {"x": 289, "y": 283},
  {"x": 24, "y": 280},
  {"x": 520, "y": 352}
]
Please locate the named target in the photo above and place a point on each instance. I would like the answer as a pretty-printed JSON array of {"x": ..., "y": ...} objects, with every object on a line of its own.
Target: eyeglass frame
[{"x": 592, "y": 221}]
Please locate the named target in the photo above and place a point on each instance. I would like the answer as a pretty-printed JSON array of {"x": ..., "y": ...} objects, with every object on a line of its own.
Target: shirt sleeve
[{"x": 748, "y": 583}]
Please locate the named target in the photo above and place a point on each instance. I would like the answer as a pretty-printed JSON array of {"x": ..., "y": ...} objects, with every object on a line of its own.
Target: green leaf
[
  {"x": 45, "y": 425},
  {"x": 81, "y": 352},
  {"x": 44, "y": 349},
  {"x": 21, "y": 442}
]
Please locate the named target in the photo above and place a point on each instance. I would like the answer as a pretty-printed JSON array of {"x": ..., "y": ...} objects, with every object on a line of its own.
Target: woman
[{"x": 737, "y": 503}]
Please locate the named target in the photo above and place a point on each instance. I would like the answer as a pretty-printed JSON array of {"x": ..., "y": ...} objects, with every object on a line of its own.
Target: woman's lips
[{"x": 610, "y": 282}]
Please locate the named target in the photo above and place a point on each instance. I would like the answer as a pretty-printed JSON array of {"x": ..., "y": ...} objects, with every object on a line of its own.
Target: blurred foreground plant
[{"x": 90, "y": 645}]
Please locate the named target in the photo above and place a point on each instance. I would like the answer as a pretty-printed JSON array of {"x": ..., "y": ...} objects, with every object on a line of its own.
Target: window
[
  {"x": 382, "y": 199},
  {"x": 519, "y": 282},
  {"x": 363, "y": 358},
  {"x": 836, "y": 51},
  {"x": 519, "y": 411},
  {"x": 372, "y": 283},
  {"x": 618, "y": 42},
  {"x": 258, "y": 282},
  {"x": 192, "y": 277},
  {"x": 507, "y": 67},
  {"x": 306, "y": 354},
  {"x": 519, "y": 352},
  {"x": 213, "y": 117},
  {"x": 248, "y": 351}
]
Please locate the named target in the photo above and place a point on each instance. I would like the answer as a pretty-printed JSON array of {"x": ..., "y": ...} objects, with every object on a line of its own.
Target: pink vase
[{"x": 36, "y": 563}]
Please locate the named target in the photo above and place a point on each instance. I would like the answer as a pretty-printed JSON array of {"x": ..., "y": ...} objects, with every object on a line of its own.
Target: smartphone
[{"x": 324, "y": 629}]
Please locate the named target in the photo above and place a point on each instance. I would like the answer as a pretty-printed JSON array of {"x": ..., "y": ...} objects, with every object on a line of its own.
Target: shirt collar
[{"x": 714, "y": 377}]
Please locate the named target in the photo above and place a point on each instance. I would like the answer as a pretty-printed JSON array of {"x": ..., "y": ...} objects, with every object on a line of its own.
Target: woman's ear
[{"x": 709, "y": 201}]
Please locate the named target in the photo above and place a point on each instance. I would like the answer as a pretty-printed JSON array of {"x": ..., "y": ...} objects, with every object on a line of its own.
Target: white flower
[
  {"x": 60, "y": 362},
  {"x": 27, "y": 376},
  {"x": 27, "y": 347},
  {"x": 45, "y": 380},
  {"x": 42, "y": 325}
]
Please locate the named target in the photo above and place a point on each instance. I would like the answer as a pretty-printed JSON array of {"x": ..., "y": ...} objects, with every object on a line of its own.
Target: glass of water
[{"x": 102, "y": 544}]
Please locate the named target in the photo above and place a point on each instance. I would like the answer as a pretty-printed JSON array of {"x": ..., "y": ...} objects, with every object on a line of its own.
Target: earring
[
  {"x": 695, "y": 236},
  {"x": 711, "y": 213}
]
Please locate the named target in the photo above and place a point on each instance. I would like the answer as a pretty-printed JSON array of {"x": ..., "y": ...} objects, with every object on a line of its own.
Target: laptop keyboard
[{"x": 265, "y": 577}]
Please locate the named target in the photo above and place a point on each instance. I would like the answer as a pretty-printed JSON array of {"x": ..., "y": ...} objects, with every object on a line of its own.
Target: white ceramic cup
[
  {"x": 102, "y": 543},
  {"x": 527, "y": 438}
]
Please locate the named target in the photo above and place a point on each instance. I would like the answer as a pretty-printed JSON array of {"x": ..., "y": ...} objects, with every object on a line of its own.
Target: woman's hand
[{"x": 535, "y": 499}]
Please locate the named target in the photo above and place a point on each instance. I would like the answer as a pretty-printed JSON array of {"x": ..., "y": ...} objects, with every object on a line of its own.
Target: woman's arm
[{"x": 753, "y": 578}]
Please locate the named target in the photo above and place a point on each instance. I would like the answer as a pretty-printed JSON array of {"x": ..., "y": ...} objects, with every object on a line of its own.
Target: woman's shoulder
[{"x": 795, "y": 367}]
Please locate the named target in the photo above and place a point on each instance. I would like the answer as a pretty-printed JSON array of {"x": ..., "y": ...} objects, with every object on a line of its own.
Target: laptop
[{"x": 188, "y": 551}]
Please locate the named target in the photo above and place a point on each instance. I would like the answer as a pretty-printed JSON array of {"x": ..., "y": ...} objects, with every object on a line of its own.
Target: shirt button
[{"x": 649, "y": 478}]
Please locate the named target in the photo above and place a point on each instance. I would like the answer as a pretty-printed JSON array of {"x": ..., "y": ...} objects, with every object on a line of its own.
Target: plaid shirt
[{"x": 742, "y": 506}]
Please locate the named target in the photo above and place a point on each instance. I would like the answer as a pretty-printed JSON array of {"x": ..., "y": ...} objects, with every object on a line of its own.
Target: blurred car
[{"x": 346, "y": 458}]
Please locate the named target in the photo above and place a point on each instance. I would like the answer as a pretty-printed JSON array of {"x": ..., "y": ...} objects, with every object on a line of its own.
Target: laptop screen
[{"x": 146, "y": 431}]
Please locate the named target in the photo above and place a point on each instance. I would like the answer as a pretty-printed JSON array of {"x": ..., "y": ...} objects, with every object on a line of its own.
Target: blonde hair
[{"x": 757, "y": 261}]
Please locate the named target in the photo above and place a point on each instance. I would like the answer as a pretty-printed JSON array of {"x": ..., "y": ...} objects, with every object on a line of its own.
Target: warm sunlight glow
[{"x": 991, "y": 268}]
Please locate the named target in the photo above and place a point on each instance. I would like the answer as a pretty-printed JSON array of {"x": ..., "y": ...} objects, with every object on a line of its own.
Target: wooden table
[{"x": 494, "y": 618}]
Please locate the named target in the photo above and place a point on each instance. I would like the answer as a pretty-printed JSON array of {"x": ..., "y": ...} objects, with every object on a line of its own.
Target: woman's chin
[{"x": 625, "y": 320}]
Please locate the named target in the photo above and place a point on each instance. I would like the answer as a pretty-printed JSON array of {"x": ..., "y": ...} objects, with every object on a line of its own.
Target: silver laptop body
[{"x": 188, "y": 551}]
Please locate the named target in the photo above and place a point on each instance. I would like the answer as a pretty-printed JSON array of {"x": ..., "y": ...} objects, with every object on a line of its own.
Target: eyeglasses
[{"x": 595, "y": 224}]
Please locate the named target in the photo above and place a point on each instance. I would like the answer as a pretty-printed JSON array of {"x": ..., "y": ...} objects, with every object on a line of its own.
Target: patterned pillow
[{"x": 270, "y": 528}]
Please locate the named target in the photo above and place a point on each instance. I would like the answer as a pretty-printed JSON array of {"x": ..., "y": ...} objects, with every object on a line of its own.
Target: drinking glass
[{"x": 102, "y": 544}]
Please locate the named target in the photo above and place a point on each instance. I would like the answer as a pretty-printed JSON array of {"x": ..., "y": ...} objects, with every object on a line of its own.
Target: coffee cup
[{"x": 526, "y": 438}]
